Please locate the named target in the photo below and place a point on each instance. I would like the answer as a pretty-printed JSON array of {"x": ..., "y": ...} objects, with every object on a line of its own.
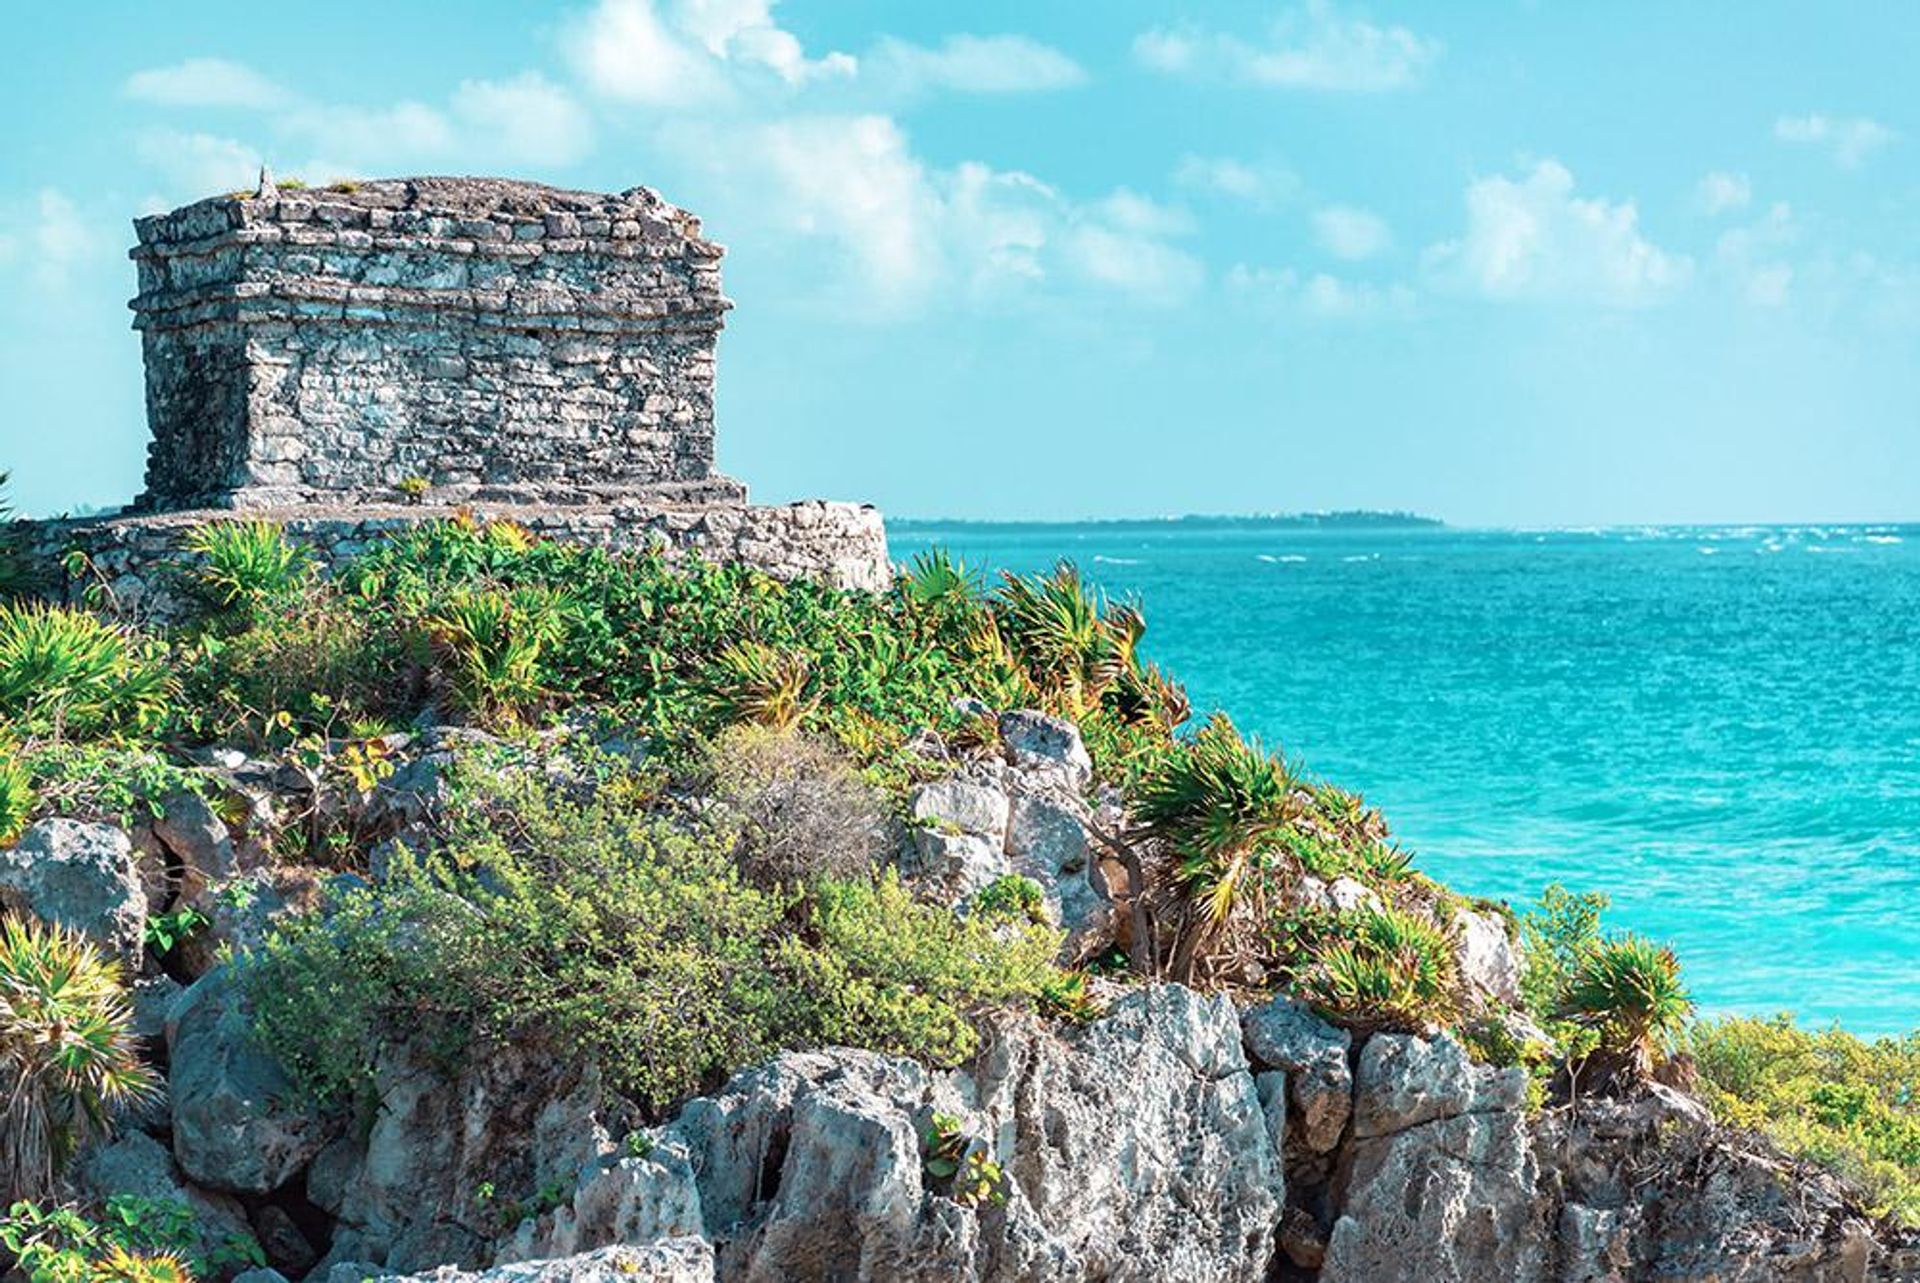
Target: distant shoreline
[{"x": 1352, "y": 519}]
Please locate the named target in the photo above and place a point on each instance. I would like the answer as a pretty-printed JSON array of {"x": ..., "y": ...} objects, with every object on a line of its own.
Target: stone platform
[{"x": 842, "y": 544}]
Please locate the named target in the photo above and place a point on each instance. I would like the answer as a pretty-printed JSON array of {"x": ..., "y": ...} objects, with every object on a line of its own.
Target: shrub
[
  {"x": 804, "y": 811},
  {"x": 134, "y": 1240},
  {"x": 106, "y": 780},
  {"x": 630, "y": 940},
  {"x": 67, "y": 1052},
  {"x": 753, "y": 682},
  {"x": 16, "y": 793},
  {"x": 1558, "y": 935},
  {"x": 246, "y": 564},
  {"x": 1393, "y": 970},
  {"x": 489, "y": 643},
  {"x": 1012, "y": 898},
  {"x": 1825, "y": 1095},
  {"x": 65, "y": 671},
  {"x": 1629, "y": 991}
]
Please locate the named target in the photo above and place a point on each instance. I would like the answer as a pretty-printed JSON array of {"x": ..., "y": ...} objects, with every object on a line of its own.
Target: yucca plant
[
  {"x": 1055, "y": 625},
  {"x": 1628, "y": 990},
  {"x": 243, "y": 563},
  {"x": 1394, "y": 969},
  {"x": 68, "y": 1057},
  {"x": 936, "y": 578},
  {"x": 489, "y": 643},
  {"x": 753, "y": 682},
  {"x": 69, "y": 671}
]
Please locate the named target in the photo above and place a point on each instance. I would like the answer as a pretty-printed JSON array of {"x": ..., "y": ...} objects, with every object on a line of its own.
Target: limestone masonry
[{"x": 380, "y": 352}]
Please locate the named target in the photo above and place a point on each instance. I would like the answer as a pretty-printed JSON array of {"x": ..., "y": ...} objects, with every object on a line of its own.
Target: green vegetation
[
  {"x": 66, "y": 672},
  {"x": 1628, "y": 990},
  {"x": 631, "y": 940},
  {"x": 958, "y": 1166},
  {"x": 1392, "y": 970},
  {"x": 1828, "y": 1096},
  {"x": 134, "y": 1240},
  {"x": 246, "y": 564},
  {"x": 67, "y": 1052}
]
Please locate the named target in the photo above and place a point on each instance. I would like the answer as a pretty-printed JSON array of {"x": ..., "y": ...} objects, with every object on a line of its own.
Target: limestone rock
[
  {"x": 139, "y": 1165},
  {"x": 1488, "y": 962},
  {"x": 80, "y": 876},
  {"x": 1283, "y": 1033},
  {"x": 673, "y": 1260},
  {"x": 1049, "y": 745},
  {"x": 238, "y": 1124},
  {"x": 958, "y": 837},
  {"x": 1441, "y": 1182},
  {"x": 198, "y": 839},
  {"x": 1048, "y": 841}
]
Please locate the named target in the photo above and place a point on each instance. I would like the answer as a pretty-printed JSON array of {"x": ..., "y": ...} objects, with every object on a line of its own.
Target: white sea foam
[
  {"x": 1116, "y": 561},
  {"x": 1283, "y": 558},
  {"x": 1881, "y": 539}
]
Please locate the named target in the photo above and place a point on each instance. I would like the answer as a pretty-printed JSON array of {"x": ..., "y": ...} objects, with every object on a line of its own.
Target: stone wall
[
  {"x": 132, "y": 562},
  {"x": 502, "y": 341}
]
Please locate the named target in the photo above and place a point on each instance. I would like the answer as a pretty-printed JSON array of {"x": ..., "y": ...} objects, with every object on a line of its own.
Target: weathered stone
[
  {"x": 1049, "y": 745},
  {"x": 673, "y": 1260},
  {"x": 198, "y": 839},
  {"x": 1047, "y": 840},
  {"x": 1283, "y": 1033},
  {"x": 79, "y": 876},
  {"x": 1404, "y": 1081},
  {"x": 962, "y": 806},
  {"x": 136, "y": 1164},
  {"x": 1488, "y": 963},
  {"x": 238, "y": 1123},
  {"x": 285, "y": 1246}
]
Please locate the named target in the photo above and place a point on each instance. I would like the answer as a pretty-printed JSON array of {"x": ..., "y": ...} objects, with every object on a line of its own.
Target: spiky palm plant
[
  {"x": 1394, "y": 969},
  {"x": 1070, "y": 648},
  {"x": 245, "y": 562},
  {"x": 753, "y": 682},
  {"x": 68, "y": 1057},
  {"x": 16, "y": 792},
  {"x": 1628, "y": 989},
  {"x": 65, "y": 670},
  {"x": 490, "y": 643}
]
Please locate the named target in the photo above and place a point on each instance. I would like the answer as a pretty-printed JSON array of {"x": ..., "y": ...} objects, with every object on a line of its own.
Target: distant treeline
[{"x": 1350, "y": 519}]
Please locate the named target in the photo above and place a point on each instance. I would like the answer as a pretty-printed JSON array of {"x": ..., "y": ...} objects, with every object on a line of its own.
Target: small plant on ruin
[
  {"x": 489, "y": 643},
  {"x": 68, "y": 1055},
  {"x": 1628, "y": 989},
  {"x": 244, "y": 564},
  {"x": 69, "y": 672},
  {"x": 415, "y": 488},
  {"x": 1392, "y": 970},
  {"x": 960, "y": 1166}
]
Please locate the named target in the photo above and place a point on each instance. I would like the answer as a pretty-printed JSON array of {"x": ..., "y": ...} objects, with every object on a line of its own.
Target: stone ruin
[{"x": 368, "y": 355}]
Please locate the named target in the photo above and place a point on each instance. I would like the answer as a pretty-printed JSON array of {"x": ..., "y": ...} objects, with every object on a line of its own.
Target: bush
[
  {"x": 245, "y": 565},
  {"x": 134, "y": 1240},
  {"x": 16, "y": 793},
  {"x": 489, "y": 643},
  {"x": 1393, "y": 970},
  {"x": 69, "y": 672},
  {"x": 1557, "y": 935},
  {"x": 630, "y": 940},
  {"x": 804, "y": 811},
  {"x": 1629, "y": 991},
  {"x": 1851, "y": 1105},
  {"x": 67, "y": 1052}
]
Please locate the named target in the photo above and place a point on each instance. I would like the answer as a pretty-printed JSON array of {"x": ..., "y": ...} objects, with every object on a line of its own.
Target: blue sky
[{"x": 1508, "y": 263}]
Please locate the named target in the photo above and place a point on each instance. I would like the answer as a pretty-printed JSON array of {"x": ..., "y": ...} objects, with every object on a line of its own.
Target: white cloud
[
  {"x": 973, "y": 64},
  {"x": 351, "y": 141},
  {"x": 205, "y": 82},
  {"x": 528, "y": 119},
  {"x": 51, "y": 237},
  {"x": 1850, "y": 139},
  {"x": 1311, "y": 48},
  {"x": 1319, "y": 294},
  {"x": 1532, "y": 238},
  {"x": 1345, "y": 231},
  {"x": 198, "y": 164},
  {"x": 1721, "y": 191},
  {"x": 1752, "y": 258},
  {"x": 1264, "y": 185},
  {"x": 689, "y": 52}
]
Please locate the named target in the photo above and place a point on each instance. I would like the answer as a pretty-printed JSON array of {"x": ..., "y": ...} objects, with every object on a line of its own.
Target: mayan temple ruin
[{"x": 371, "y": 354}]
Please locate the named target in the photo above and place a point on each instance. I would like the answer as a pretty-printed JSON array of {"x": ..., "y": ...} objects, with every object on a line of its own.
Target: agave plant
[
  {"x": 490, "y": 643},
  {"x": 753, "y": 682},
  {"x": 65, "y": 670},
  {"x": 68, "y": 1057},
  {"x": 16, "y": 793},
  {"x": 1072, "y": 650},
  {"x": 1394, "y": 969},
  {"x": 1628, "y": 989},
  {"x": 246, "y": 562}
]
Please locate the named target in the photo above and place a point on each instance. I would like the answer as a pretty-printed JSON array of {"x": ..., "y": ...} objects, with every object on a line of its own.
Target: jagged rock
[
  {"x": 812, "y": 1166},
  {"x": 285, "y": 1246},
  {"x": 1048, "y": 746},
  {"x": 1047, "y": 840},
  {"x": 1484, "y": 953},
  {"x": 673, "y": 1260},
  {"x": 517, "y": 1117},
  {"x": 1283, "y": 1033},
  {"x": 959, "y": 837},
  {"x": 238, "y": 1124},
  {"x": 1440, "y": 1183},
  {"x": 1342, "y": 895},
  {"x": 80, "y": 876},
  {"x": 139, "y": 1165},
  {"x": 242, "y": 911},
  {"x": 199, "y": 841},
  {"x": 414, "y": 794},
  {"x": 264, "y": 1274},
  {"x": 153, "y": 998}
]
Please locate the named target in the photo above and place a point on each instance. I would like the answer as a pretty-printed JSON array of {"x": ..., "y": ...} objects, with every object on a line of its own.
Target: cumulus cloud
[
  {"x": 1850, "y": 139},
  {"x": 1753, "y": 258},
  {"x": 1532, "y": 238},
  {"x": 1319, "y": 295},
  {"x": 1720, "y": 192},
  {"x": 528, "y": 118},
  {"x": 972, "y": 64},
  {"x": 205, "y": 82},
  {"x": 687, "y": 52},
  {"x": 197, "y": 163},
  {"x": 1262, "y": 184},
  {"x": 1311, "y": 48},
  {"x": 1348, "y": 232},
  {"x": 50, "y": 237}
]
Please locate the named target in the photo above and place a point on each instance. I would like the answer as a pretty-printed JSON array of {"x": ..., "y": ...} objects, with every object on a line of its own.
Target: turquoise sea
[{"x": 1719, "y": 727}]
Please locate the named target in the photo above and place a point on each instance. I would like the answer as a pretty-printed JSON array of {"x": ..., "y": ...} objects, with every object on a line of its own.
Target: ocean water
[{"x": 1719, "y": 727}]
